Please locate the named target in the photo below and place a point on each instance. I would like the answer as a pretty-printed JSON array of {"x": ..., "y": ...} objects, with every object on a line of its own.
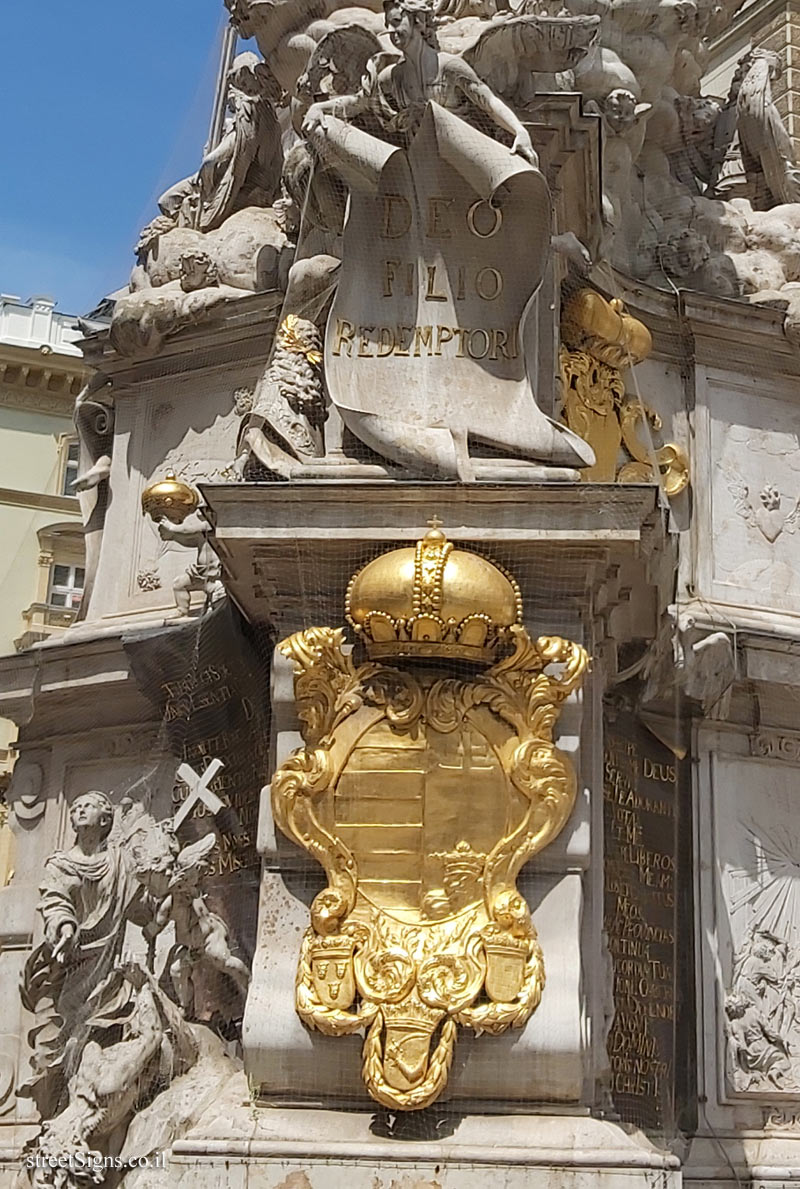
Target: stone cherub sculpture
[
  {"x": 205, "y": 572},
  {"x": 425, "y": 107},
  {"x": 174, "y": 507},
  {"x": 624, "y": 127},
  {"x": 201, "y": 936}
]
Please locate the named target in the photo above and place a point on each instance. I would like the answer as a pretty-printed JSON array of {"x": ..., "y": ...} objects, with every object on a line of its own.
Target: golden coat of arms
[{"x": 422, "y": 790}]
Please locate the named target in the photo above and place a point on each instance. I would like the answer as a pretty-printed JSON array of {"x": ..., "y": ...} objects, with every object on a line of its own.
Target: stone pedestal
[
  {"x": 316, "y": 1149},
  {"x": 583, "y": 558}
]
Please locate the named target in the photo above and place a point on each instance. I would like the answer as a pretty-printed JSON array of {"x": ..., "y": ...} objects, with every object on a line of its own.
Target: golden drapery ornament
[
  {"x": 601, "y": 338},
  {"x": 422, "y": 795}
]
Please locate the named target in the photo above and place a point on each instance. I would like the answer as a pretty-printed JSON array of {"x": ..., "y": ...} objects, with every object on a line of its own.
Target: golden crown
[
  {"x": 464, "y": 860},
  {"x": 433, "y": 600}
]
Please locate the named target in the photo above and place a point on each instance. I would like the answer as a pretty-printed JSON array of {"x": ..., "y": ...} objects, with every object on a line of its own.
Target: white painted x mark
[{"x": 199, "y": 792}]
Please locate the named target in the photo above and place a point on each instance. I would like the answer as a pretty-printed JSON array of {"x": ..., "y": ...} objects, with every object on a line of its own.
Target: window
[
  {"x": 71, "y": 459},
  {"x": 66, "y": 586}
]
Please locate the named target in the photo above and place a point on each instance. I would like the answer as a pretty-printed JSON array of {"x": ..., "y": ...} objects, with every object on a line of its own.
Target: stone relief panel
[
  {"x": 757, "y": 849},
  {"x": 197, "y": 453},
  {"x": 755, "y": 499}
]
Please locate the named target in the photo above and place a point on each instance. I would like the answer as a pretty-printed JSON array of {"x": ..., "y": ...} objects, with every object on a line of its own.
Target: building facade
[
  {"x": 760, "y": 25},
  {"x": 41, "y": 579}
]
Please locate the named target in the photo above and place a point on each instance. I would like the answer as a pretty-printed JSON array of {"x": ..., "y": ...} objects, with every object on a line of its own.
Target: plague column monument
[{"x": 411, "y": 805}]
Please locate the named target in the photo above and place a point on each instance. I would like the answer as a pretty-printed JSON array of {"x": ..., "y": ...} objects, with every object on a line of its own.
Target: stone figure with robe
[
  {"x": 109, "y": 1035},
  {"x": 88, "y": 896}
]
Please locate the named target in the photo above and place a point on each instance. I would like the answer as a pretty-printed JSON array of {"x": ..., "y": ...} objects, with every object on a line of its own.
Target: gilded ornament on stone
[
  {"x": 600, "y": 338},
  {"x": 170, "y": 497},
  {"x": 422, "y": 795}
]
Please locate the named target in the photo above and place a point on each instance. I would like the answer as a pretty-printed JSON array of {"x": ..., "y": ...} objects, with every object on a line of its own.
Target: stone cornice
[
  {"x": 698, "y": 328},
  {"x": 37, "y": 402},
  {"x": 753, "y": 18},
  {"x": 43, "y": 382},
  {"x": 238, "y": 330},
  {"x": 42, "y": 501}
]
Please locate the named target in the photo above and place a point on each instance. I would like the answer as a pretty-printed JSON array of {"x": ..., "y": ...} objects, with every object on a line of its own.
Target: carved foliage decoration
[{"x": 422, "y": 797}]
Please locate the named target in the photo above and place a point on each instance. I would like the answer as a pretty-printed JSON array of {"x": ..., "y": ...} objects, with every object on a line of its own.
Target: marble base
[
  {"x": 747, "y": 1160},
  {"x": 245, "y": 1146},
  {"x": 319, "y": 1149},
  {"x": 516, "y": 470},
  {"x": 370, "y": 1173},
  {"x": 486, "y": 470}
]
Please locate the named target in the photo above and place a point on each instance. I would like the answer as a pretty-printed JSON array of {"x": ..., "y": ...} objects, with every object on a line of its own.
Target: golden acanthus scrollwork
[{"x": 422, "y": 795}]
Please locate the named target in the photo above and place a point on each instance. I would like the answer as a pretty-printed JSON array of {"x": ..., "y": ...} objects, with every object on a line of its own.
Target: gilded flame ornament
[{"x": 422, "y": 795}]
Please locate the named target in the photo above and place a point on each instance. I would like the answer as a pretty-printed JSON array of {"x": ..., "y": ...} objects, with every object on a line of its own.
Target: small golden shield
[
  {"x": 505, "y": 969},
  {"x": 406, "y": 1051},
  {"x": 332, "y": 971}
]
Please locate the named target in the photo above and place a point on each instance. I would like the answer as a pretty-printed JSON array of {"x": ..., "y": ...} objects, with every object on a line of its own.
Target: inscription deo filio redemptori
[{"x": 410, "y": 278}]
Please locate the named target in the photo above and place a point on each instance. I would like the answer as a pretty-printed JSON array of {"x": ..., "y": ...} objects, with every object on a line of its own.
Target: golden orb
[
  {"x": 433, "y": 600},
  {"x": 169, "y": 497}
]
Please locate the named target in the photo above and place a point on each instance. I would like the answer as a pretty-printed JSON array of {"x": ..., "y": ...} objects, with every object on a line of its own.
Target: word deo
[{"x": 482, "y": 219}]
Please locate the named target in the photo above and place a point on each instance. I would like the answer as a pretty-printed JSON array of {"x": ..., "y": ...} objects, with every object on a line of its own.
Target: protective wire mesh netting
[{"x": 407, "y": 330}]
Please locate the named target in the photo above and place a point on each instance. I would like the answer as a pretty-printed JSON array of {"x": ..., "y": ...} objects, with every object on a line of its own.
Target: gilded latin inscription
[
  {"x": 379, "y": 342},
  {"x": 406, "y": 276},
  {"x": 483, "y": 218},
  {"x": 640, "y": 922}
]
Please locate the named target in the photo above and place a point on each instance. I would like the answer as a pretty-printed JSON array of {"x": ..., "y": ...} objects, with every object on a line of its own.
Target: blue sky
[{"x": 106, "y": 103}]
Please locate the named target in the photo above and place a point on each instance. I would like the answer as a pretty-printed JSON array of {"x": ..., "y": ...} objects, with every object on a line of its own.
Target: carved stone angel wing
[
  {"x": 741, "y": 497},
  {"x": 193, "y": 857},
  {"x": 510, "y": 47}
]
